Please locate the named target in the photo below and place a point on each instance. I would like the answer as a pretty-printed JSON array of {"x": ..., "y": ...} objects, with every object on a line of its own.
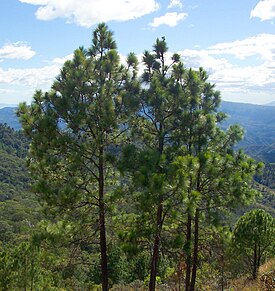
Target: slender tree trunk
[
  {"x": 102, "y": 230},
  {"x": 255, "y": 269},
  {"x": 155, "y": 256},
  {"x": 188, "y": 256},
  {"x": 195, "y": 253},
  {"x": 259, "y": 258},
  {"x": 222, "y": 272}
]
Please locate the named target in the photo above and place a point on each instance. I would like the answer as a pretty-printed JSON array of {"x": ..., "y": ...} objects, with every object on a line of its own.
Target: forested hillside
[
  {"x": 259, "y": 124},
  {"x": 8, "y": 116},
  {"x": 17, "y": 204}
]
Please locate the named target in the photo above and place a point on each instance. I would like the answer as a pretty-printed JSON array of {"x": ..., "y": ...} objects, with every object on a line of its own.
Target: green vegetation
[
  {"x": 267, "y": 177},
  {"x": 18, "y": 206},
  {"x": 136, "y": 181},
  {"x": 253, "y": 238},
  {"x": 259, "y": 124},
  {"x": 8, "y": 116}
]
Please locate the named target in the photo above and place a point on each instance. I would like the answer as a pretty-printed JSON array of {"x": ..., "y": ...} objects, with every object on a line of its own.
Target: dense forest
[
  {"x": 122, "y": 181},
  {"x": 259, "y": 124}
]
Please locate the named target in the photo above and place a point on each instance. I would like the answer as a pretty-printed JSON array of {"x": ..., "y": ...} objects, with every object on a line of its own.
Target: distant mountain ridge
[
  {"x": 259, "y": 124},
  {"x": 8, "y": 116},
  {"x": 2, "y": 105},
  {"x": 258, "y": 121},
  {"x": 271, "y": 103}
]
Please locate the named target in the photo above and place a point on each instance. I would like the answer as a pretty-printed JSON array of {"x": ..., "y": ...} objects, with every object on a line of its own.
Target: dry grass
[
  {"x": 264, "y": 282},
  {"x": 267, "y": 267}
]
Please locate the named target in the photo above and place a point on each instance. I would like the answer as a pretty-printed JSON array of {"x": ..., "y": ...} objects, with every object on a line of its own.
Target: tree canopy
[
  {"x": 253, "y": 238},
  {"x": 128, "y": 161}
]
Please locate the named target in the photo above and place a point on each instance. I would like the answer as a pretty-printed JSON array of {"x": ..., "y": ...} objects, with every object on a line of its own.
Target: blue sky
[{"x": 234, "y": 40}]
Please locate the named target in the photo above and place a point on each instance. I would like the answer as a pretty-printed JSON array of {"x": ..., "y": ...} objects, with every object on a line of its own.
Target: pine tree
[
  {"x": 73, "y": 129},
  {"x": 253, "y": 238}
]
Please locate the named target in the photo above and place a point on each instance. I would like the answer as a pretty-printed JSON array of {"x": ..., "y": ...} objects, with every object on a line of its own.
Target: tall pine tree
[{"x": 73, "y": 129}]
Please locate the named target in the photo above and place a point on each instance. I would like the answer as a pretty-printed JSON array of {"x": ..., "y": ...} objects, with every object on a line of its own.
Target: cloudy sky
[{"x": 234, "y": 40}]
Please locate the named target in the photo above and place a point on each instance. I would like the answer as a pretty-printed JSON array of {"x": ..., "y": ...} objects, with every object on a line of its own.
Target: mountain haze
[
  {"x": 271, "y": 103},
  {"x": 259, "y": 124},
  {"x": 8, "y": 116}
]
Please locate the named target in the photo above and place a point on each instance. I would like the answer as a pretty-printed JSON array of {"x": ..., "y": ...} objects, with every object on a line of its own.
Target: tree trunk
[
  {"x": 155, "y": 256},
  {"x": 195, "y": 253},
  {"x": 255, "y": 261},
  {"x": 102, "y": 230},
  {"x": 259, "y": 258},
  {"x": 222, "y": 272},
  {"x": 188, "y": 256}
]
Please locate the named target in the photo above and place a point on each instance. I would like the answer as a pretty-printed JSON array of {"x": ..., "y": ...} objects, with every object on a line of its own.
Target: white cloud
[
  {"x": 265, "y": 10},
  {"x": 89, "y": 12},
  {"x": 175, "y": 3},
  {"x": 6, "y": 91},
  {"x": 61, "y": 61},
  {"x": 170, "y": 19},
  {"x": 31, "y": 77},
  {"x": 17, "y": 50},
  {"x": 22, "y": 83},
  {"x": 239, "y": 81},
  {"x": 262, "y": 45},
  {"x": 202, "y": 58}
]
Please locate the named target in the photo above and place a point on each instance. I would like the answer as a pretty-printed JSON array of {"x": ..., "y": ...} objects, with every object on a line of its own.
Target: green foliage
[
  {"x": 135, "y": 176},
  {"x": 253, "y": 238},
  {"x": 8, "y": 117},
  {"x": 21, "y": 268},
  {"x": 13, "y": 142},
  {"x": 19, "y": 211},
  {"x": 180, "y": 160},
  {"x": 13, "y": 176},
  {"x": 267, "y": 177},
  {"x": 72, "y": 129},
  {"x": 258, "y": 121}
]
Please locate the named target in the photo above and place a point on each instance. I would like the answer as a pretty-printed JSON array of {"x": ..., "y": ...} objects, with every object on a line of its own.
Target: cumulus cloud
[
  {"x": 22, "y": 83},
  {"x": 31, "y": 77},
  {"x": 265, "y": 10},
  {"x": 17, "y": 50},
  {"x": 261, "y": 44},
  {"x": 236, "y": 78},
  {"x": 170, "y": 19},
  {"x": 175, "y": 3},
  {"x": 202, "y": 58},
  {"x": 89, "y": 12},
  {"x": 61, "y": 61}
]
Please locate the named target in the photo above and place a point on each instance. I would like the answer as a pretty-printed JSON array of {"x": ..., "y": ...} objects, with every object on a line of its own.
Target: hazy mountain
[
  {"x": 2, "y": 105},
  {"x": 271, "y": 103},
  {"x": 259, "y": 124},
  {"x": 8, "y": 116}
]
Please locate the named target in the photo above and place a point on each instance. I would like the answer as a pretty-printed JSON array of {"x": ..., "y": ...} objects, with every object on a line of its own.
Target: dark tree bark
[
  {"x": 155, "y": 255},
  {"x": 195, "y": 252},
  {"x": 103, "y": 243},
  {"x": 255, "y": 263},
  {"x": 188, "y": 256}
]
